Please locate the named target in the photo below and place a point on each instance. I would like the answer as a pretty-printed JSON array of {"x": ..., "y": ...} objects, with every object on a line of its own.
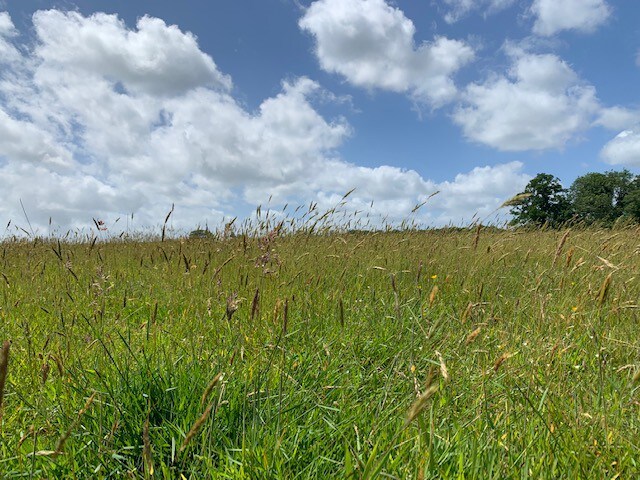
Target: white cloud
[
  {"x": 553, "y": 16},
  {"x": 84, "y": 134},
  {"x": 480, "y": 191},
  {"x": 372, "y": 45},
  {"x": 8, "y": 53},
  {"x": 539, "y": 104},
  {"x": 6, "y": 25},
  {"x": 155, "y": 58},
  {"x": 624, "y": 149},
  {"x": 617, "y": 118},
  {"x": 460, "y": 8}
]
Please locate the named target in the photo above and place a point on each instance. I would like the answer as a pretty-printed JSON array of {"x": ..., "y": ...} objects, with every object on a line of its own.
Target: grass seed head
[
  {"x": 443, "y": 367},
  {"x": 4, "y": 365},
  {"x": 501, "y": 359},
  {"x": 604, "y": 290},
  {"x": 210, "y": 387},
  {"x": 472, "y": 336},
  {"x": 432, "y": 295},
  {"x": 195, "y": 427}
]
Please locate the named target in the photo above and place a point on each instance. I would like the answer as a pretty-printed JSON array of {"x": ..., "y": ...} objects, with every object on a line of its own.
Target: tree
[
  {"x": 546, "y": 202},
  {"x": 631, "y": 201},
  {"x": 602, "y": 197}
]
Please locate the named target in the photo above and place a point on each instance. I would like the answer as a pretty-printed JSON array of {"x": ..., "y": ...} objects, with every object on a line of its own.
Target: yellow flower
[
  {"x": 433, "y": 277},
  {"x": 574, "y": 309}
]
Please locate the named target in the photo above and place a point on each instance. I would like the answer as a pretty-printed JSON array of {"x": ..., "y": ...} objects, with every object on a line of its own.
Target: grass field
[{"x": 415, "y": 354}]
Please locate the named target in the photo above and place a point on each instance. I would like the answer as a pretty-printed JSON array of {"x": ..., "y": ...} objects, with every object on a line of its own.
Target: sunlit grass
[{"x": 474, "y": 353}]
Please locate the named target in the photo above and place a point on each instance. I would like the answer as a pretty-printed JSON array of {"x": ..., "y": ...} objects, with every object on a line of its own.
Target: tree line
[{"x": 601, "y": 198}]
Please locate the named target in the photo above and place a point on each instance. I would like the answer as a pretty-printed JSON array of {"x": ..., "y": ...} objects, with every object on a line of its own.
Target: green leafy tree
[
  {"x": 631, "y": 201},
  {"x": 602, "y": 197},
  {"x": 544, "y": 201}
]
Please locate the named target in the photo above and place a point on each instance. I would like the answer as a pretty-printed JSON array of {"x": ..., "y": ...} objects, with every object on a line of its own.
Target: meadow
[{"x": 454, "y": 353}]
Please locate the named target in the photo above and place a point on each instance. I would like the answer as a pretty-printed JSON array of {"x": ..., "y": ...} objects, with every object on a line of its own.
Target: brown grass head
[
  {"x": 423, "y": 399},
  {"x": 4, "y": 366},
  {"x": 604, "y": 290},
  {"x": 195, "y": 427},
  {"x": 443, "y": 367},
  {"x": 432, "y": 295},
  {"x": 210, "y": 387},
  {"x": 472, "y": 336},
  {"x": 501, "y": 359},
  {"x": 559, "y": 247}
]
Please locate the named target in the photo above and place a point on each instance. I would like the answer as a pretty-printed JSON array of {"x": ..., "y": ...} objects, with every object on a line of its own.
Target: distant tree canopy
[
  {"x": 547, "y": 202},
  {"x": 592, "y": 198}
]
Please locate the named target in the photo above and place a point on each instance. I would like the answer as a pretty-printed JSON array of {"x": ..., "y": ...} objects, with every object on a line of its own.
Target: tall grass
[{"x": 455, "y": 353}]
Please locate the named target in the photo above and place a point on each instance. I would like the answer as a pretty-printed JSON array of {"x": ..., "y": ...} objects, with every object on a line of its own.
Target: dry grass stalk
[
  {"x": 232, "y": 305},
  {"x": 604, "y": 290},
  {"x": 569, "y": 256},
  {"x": 393, "y": 283},
  {"x": 59, "y": 364},
  {"x": 4, "y": 364},
  {"x": 432, "y": 295},
  {"x": 422, "y": 401},
  {"x": 195, "y": 427},
  {"x": 443, "y": 367},
  {"x": 560, "y": 245},
  {"x": 146, "y": 441},
  {"x": 516, "y": 200},
  {"x": 503, "y": 358},
  {"x": 63, "y": 439},
  {"x": 255, "y": 304},
  {"x": 476, "y": 239},
  {"x": 636, "y": 376},
  {"x": 466, "y": 313},
  {"x": 210, "y": 387},
  {"x": 285, "y": 319},
  {"x": 44, "y": 371},
  {"x": 472, "y": 336}
]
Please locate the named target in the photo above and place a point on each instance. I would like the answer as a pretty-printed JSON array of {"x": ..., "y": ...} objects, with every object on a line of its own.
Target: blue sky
[{"x": 109, "y": 108}]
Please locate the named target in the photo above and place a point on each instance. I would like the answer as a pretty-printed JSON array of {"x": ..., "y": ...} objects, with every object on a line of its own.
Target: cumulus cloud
[
  {"x": 458, "y": 9},
  {"x": 99, "y": 120},
  {"x": 372, "y": 45},
  {"x": 617, "y": 118},
  {"x": 553, "y": 16},
  {"x": 624, "y": 149},
  {"x": 480, "y": 191},
  {"x": 539, "y": 104},
  {"x": 155, "y": 58}
]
